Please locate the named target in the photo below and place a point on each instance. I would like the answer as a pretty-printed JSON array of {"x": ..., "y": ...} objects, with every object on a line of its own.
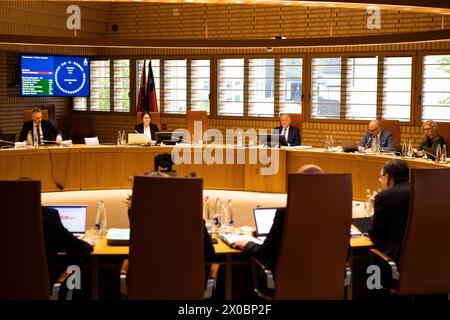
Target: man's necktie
[{"x": 38, "y": 134}]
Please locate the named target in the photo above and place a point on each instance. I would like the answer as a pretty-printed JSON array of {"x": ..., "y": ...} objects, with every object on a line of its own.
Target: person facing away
[
  {"x": 43, "y": 130},
  {"x": 391, "y": 208},
  {"x": 292, "y": 134},
  {"x": 267, "y": 252},
  {"x": 59, "y": 239},
  {"x": 431, "y": 137},
  {"x": 376, "y": 133},
  {"x": 147, "y": 127}
]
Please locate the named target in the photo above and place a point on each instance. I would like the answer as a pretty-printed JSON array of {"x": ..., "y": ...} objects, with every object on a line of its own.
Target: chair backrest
[
  {"x": 28, "y": 112},
  {"x": 394, "y": 127},
  {"x": 81, "y": 128},
  {"x": 296, "y": 120},
  {"x": 166, "y": 241},
  {"x": 444, "y": 132},
  {"x": 156, "y": 118},
  {"x": 316, "y": 236},
  {"x": 425, "y": 257},
  {"x": 193, "y": 116},
  {"x": 23, "y": 271}
]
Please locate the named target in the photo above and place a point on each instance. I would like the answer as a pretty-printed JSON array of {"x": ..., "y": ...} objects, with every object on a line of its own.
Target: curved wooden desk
[{"x": 110, "y": 167}]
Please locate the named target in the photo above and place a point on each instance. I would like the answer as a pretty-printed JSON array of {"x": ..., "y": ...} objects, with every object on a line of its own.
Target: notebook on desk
[{"x": 73, "y": 218}]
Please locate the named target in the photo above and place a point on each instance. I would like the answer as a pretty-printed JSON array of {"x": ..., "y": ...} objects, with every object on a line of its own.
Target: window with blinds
[
  {"x": 261, "y": 87},
  {"x": 397, "y": 75},
  {"x": 436, "y": 88},
  {"x": 231, "y": 87},
  {"x": 291, "y": 85},
  {"x": 175, "y": 95},
  {"x": 200, "y": 85},
  {"x": 325, "y": 88},
  {"x": 100, "y": 85},
  {"x": 361, "y": 88},
  {"x": 156, "y": 77},
  {"x": 121, "y": 91}
]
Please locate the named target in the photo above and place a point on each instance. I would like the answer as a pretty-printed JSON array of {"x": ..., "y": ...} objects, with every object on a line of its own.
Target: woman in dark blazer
[
  {"x": 431, "y": 138},
  {"x": 147, "y": 127}
]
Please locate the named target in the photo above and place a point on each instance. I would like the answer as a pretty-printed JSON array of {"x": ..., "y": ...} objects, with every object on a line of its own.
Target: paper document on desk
[
  {"x": 233, "y": 237},
  {"x": 301, "y": 147},
  {"x": 118, "y": 237}
]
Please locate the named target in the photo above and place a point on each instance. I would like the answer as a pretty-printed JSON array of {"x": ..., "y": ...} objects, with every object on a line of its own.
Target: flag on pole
[
  {"x": 141, "y": 96},
  {"x": 151, "y": 103}
]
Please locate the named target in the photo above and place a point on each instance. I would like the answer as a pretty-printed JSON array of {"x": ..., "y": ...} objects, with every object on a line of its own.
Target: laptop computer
[
  {"x": 362, "y": 224},
  {"x": 263, "y": 221},
  {"x": 73, "y": 218},
  {"x": 137, "y": 138},
  {"x": 272, "y": 140},
  {"x": 349, "y": 146}
]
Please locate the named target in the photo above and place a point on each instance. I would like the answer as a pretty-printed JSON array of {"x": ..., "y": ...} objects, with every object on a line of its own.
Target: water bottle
[
  {"x": 123, "y": 138},
  {"x": 331, "y": 142},
  {"x": 119, "y": 138},
  {"x": 35, "y": 140},
  {"x": 240, "y": 142},
  {"x": 29, "y": 139},
  {"x": 327, "y": 143},
  {"x": 228, "y": 218},
  {"x": 409, "y": 152},
  {"x": 438, "y": 153},
  {"x": 209, "y": 223},
  {"x": 444, "y": 154},
  {"x": 218, "y": 214},
  {"x": 368, "y": 204},
  {"x": 100, "y": 221}
]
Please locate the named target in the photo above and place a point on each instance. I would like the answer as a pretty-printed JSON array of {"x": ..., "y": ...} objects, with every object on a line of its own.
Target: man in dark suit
[
  {"x": 59, "y": 239},
  {"x": 391, "y": 208},
  {"x": 376, "y": 134},
  {"x": 146, "y": 127},
  {"x": 39, "y": 128},
  {"x": 292, "y": 134},
  {"x": 267, "y": 252}
]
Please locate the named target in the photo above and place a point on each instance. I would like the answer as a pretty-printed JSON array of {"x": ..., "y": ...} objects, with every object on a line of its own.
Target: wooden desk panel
[
  {"x": 101, "y": 168},
  {"x": 258, "y": 180},
  {"x": 110, "y": 167},
  {"x": 44, "y": 164}
]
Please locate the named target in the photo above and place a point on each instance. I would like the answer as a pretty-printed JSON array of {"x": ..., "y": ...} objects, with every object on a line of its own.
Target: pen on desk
[{"x": 136, "y": 131}]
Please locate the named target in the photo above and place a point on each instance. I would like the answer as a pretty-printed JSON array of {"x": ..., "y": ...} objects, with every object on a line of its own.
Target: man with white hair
[{"x": 292, "y": 134}]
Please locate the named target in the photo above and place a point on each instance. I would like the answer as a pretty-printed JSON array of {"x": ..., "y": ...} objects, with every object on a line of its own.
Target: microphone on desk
[{"x": 8, "y": 142}]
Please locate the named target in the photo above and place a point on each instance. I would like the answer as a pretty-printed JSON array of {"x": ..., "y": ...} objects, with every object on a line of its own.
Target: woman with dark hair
[{"x": 147, "y": 127}]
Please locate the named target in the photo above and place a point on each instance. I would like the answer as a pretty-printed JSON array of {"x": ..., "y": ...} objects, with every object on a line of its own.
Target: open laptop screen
[
  {"x": 263, "y": 220},
  {"x": 73, "y": 218}
]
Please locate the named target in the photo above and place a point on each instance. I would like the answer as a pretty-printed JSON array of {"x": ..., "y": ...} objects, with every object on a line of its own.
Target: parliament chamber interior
[{"x": 227, "y": 150}]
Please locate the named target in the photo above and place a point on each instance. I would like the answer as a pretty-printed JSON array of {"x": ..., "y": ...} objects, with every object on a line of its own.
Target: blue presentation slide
[{"x": 55, "y": 76}]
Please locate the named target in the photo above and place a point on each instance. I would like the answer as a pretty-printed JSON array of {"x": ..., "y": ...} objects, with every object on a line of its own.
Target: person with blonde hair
[{"x": 431, "y": 138}]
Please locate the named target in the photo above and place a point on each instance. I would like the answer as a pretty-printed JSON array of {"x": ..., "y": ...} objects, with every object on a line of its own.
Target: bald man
[
  {"x": 267, "y": 252},
  {"x": 374, "y": 133}
]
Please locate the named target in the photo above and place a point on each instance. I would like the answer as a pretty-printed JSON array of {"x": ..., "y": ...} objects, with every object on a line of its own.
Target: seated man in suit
[
  {"x": 391, "y": 208},
  {"x": 147, "y": 127},
  {"x": 376, "y": 134},
  {"x": 59, "y": 239},
  {"x": 43, "y": 130},
  {"x": 292, "y": 134},
  {"x": 267, "y": 252}
]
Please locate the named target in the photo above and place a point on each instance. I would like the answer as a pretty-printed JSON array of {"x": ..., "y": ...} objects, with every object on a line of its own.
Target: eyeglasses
[
  {"x": 426, "y": 129},
  {"x": 373, "y": 129}
]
